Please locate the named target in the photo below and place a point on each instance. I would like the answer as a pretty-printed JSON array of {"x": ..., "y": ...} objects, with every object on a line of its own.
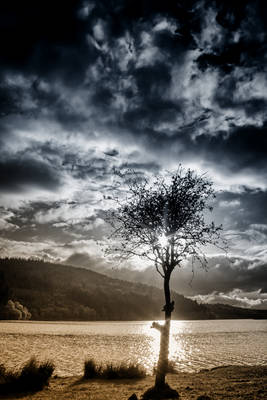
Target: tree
[
  {"x": 4, "y": 289},
  {"x": 4, "y": 294},
  {"x": 165, "y": 222}
]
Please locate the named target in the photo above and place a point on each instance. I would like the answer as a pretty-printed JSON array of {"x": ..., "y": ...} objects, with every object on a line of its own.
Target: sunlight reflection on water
[{"x": 193, "y": 344}]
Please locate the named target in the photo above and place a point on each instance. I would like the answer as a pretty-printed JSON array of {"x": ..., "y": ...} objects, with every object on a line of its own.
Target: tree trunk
[{"x": 162, "y": 365}]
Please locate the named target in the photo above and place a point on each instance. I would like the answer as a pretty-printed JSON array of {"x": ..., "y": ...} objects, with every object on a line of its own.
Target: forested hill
[{"x": 59, "y": 292}]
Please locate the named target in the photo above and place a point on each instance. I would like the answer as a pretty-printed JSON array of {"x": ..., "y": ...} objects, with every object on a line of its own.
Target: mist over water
[{"x": 194, "y": 345}]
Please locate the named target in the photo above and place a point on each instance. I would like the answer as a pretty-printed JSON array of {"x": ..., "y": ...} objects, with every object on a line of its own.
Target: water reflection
[{"x": 193, "y": 344}]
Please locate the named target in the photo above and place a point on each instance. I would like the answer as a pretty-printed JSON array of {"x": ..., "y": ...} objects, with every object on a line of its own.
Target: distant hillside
[{"x": 60, "y": 292}]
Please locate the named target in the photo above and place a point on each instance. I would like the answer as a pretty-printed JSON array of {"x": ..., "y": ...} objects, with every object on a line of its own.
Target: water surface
[{"x": 194, "y": 344}]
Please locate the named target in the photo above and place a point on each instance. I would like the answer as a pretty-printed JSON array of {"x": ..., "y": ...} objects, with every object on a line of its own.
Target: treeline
[{"x": 49, "y": 291}]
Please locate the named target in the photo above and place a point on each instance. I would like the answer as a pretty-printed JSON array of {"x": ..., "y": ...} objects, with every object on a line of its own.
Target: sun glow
[{"x": 163, "y": 240}]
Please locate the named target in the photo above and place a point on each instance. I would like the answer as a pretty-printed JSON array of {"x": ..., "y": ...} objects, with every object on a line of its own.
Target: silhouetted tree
[
  {"x": 164, "y": 222},
  {"x": 4, "y": 293},
  {"x": 4, "y": 289}
]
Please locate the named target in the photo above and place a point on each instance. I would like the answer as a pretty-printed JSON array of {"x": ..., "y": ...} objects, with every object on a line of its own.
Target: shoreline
[
  {"x": 225, "y": 382},
  {"x": 76, "y": 321}
]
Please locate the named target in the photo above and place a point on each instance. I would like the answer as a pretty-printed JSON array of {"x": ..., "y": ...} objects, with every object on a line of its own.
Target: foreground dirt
[{"x": 224, "y": 383}]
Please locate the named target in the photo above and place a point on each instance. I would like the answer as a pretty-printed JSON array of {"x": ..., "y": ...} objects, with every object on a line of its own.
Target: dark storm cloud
[
  {"x": 154, "y": 167},
  {"x": 223, "y": 275},
  {"x": 42, "y": 44},
  {"x": 243, "y": 42},
  {"x": 10, "y": 99},
  {"x": 56, "y": 42},
  {"x": 60, "y": 221},
  {"x": 226, "y": 99},
  {"x": 226, "y": 274},
  {"x": 42, "y": 37},
  {"x": 152, "y": 80},
  {"x": 244, "y": 147},
  {"x": 86, "y": 260},
  {"x": 123, "y": 15},
  {"x": 52, "y": 43},
  {"x": 48, "y": 36},
  {"x": 152, "y": 107},
  {"x": 19, "y": 174},
  {"x": 249, "y": 207},
  {"x": 81, "y": 168},
  {"x": 112, "y": 153},
  {"x": 59, "y": 42},
  {"x": 143, "y": 118}
]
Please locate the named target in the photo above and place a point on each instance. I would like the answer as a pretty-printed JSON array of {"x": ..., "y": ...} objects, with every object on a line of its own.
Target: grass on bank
[
  {"x": 32, "y": 377},
  {"x": 111, "y": 371}
]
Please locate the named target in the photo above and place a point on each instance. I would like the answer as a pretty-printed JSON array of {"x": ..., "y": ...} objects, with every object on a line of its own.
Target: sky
[{"x": 89, "y": 87}]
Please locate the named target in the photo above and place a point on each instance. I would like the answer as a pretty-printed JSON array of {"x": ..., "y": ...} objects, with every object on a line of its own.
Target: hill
[{"x": 59, "y": 292}]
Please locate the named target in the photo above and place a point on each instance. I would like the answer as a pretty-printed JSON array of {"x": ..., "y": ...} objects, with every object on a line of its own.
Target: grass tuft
[
  {"x": 91, "y": 370},
  {"x": 32, "y": 377},
  {"x": 111, "y": 371}
]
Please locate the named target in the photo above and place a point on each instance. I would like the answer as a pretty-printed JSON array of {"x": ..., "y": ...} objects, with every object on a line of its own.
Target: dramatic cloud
[
  {"x": 236, "y": 297},
  {"x": 20, "y": 174},
  {"x": 92, "y": 87}
]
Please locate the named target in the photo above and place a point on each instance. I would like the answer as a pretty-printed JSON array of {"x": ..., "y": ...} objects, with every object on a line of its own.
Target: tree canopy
[{"x": 164, "y": 220}]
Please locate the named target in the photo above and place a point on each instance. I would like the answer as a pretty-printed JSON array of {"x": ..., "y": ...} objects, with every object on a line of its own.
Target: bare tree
[{"x": 165, "y": 222}]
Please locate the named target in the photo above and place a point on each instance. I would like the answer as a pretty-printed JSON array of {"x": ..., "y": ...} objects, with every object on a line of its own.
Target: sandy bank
[{"x": 233, "y": 382}]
